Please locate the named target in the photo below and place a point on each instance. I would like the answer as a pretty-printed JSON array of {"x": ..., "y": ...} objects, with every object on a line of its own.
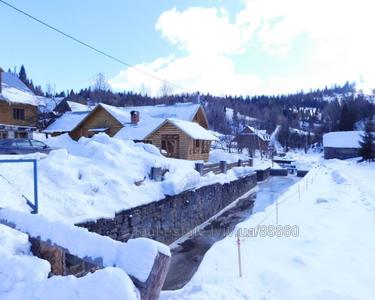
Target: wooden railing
[{"x": 221, "y": 167}]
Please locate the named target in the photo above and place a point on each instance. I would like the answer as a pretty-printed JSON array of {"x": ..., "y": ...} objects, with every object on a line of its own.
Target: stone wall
[
  {"x": 172, "y": 217},
  {"x": 279, "y": 172},
  {"x": 263, "y": 174}
]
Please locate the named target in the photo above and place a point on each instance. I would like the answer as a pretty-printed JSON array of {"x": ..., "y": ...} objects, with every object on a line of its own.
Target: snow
[
  {"x": 331, "y": 258},
  {"x": 67, "y": 122},
  {"x": 194, "y": 130},
  {"x": 181, "y": 111},
  {"x": 229, "y": 114},
  {"x": 151, "y": 117},
  {"x": 342, "y": 139},
  {"x": 96, "y": 177},
  {"x": 300, "y": 131},
  {"x": 14, "y": 90},
  {"x": 77, "y": 107},
  {"x": 262, "y": 134},
  {"x": 217, "y": 155},
  {"x": 23, "y": 276},
  {"x": 136, "y": 257}
]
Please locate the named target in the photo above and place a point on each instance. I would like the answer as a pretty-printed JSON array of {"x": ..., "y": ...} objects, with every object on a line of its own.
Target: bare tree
[
  {"x": 100, "y": 83},
  {"x": 165, "y": 89}
]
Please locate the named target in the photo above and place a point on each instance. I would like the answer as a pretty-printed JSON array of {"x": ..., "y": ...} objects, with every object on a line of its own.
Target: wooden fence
[{"x": 221, "y": 167}]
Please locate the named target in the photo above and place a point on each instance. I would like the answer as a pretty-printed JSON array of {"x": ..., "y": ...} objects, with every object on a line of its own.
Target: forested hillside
[{"x": 303, "y": 116}]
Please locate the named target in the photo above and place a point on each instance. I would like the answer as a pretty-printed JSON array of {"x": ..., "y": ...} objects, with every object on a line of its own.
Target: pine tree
[
  {"x": 367, "y": 150},
  {"x": 347, "y": 119},
  {"x": 22, "y": 75}
]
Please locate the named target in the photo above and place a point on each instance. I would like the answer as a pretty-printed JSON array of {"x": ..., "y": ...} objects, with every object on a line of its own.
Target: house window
[
  {"x": 3, "y": 135},
  {"x": 206, "y": 147},
  {"x": 18, "y": 114},
  {"x": 197, "y": 146},
  {"x": 21, "y": 135}
]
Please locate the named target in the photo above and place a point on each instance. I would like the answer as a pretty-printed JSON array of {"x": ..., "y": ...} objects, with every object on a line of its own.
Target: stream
[{"x": 188, "y": 254}]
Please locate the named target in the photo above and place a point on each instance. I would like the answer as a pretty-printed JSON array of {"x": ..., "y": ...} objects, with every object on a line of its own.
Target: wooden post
[
  {"x": 223, "y": 166},
  {"x": 251, "y": 162},
  {"x": 239, "y": 163},
  {"x": 239, "y": 254},
  {"x": 150, "y": 290},
  {"x": 277, "y": 211},
  {"x": 156, "y": 174},
  {"x": 199, "y": 168}
]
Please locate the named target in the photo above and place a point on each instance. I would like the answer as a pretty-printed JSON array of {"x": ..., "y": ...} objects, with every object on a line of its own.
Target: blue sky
[{"x": 223, "y": 47}]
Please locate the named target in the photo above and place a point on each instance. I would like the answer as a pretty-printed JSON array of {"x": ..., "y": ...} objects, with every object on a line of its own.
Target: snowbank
[
  {"x": 332, "y": 257},
  {"x": 136, "y": 257},
  {"x": 217, "y": 155},
  {"x": 23, "y": 276},
  {"x": 95, "y": 178}
]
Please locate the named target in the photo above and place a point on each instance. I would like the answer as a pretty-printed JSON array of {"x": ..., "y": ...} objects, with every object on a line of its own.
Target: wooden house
[
  {"x": 64, "y": 106},
  {"x": 182, "y": 139},
  {"x": 157, "y": 124},
  {"x": 18, "y": 107},
  {"x": 342, "y": 144},
  {"x": 252, "y": 138}
]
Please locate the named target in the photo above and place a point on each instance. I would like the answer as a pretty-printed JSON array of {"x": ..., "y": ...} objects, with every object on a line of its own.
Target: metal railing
[{"x": 34, "y": 206}]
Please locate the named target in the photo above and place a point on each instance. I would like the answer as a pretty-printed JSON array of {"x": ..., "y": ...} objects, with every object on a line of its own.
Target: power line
[{"x": 92, "y": 47}]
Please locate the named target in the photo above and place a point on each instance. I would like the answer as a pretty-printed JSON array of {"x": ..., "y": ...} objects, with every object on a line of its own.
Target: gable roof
[
  {"x": 14, "y": 90},
  {"x": 192, "y": 129},
  {"x": 262, "y": 134},
  {"x": 67, "y": 122},
  {"x": 151, "y": 117},
  {"x": 75, "y": 106}
]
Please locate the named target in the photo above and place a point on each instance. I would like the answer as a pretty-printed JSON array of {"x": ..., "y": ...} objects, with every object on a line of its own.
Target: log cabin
[
  {"x": 179, "y": 130},
  {"x": 18, "y": 107},
  {"x": 252, "y": 138}
]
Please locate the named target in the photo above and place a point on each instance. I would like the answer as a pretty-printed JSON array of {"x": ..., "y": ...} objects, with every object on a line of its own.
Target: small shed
[
  {"x": 342, "y": 144},
  {"x": 253, "y": 138},
  {"x": 182, "y": 139}
]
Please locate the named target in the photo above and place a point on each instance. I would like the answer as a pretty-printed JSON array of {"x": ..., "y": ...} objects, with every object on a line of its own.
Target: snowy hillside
[{"x": 332, "y": 256}]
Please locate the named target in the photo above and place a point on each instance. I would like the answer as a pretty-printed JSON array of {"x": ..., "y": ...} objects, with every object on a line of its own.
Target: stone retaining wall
[{"x": 172, "y": 217}]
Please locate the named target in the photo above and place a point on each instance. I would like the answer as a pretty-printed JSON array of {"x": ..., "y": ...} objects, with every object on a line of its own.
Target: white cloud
[{"x": 209, "y": 44}]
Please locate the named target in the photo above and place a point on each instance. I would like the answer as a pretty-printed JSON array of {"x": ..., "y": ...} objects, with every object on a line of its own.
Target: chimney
[
  {"x": 1, "y": 78},
  {"x": 134, "y": 117}
]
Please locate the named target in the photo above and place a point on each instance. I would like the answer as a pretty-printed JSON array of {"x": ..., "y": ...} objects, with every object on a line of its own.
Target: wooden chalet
[
  {"x": 182, "y": 139},
  {"x": 18, "y": 108},
  {"x": 178, "y": 130},
  {"x": 252, "y": 138}
]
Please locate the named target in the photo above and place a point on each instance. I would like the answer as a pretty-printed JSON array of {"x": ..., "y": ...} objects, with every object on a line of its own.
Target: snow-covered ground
[
  {"x": 97, "y": 177},
  {"x": 23, "y": 276},
  {"x": 331, "y": 258}
]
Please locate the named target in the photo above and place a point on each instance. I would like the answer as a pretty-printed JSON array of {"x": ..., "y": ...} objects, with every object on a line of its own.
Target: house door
[{"x": 170, "y": 143}]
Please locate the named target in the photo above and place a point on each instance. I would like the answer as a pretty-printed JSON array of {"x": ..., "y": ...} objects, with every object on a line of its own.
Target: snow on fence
[
  {"x": 221, "y": 167},
  {"x": 144, "y": 260}
]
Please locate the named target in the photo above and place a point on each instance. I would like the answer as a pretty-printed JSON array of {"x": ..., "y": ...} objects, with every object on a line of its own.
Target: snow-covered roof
[
  {"x": 194, "y": 130},
  {"x": 138, "y": 131},
  {"x": 181, "y": 111},
  {"x": 67, "y": 122},
  {"x": 151, "y": 117},
  {"x": 75, "y": 106},
  {"x": 14, "y": 90},
  {"x": 261, "y": 133},
  {"x": 342, "y": 139}
]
